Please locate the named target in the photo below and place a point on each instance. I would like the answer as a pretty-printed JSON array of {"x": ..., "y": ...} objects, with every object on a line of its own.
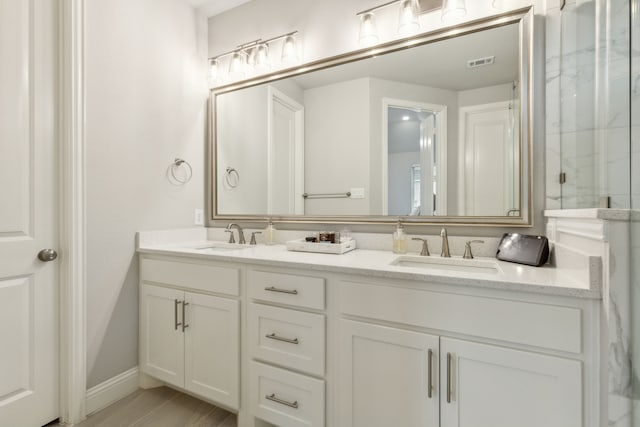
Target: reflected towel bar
[{"x": 326, "y": 195}]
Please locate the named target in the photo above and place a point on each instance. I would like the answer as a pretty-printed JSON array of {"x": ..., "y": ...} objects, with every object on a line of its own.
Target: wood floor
[{"x": 160, "y": 407}]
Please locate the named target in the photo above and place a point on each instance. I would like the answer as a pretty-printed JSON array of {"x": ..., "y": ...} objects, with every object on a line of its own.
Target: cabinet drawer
[
  {"x": 542, "y": 325},
  {"x": 208, "y": 278},
  {"x": 301, "y": 291},
  {"x": 285, "y": 398},
  {"x": 287, "y": 337}
]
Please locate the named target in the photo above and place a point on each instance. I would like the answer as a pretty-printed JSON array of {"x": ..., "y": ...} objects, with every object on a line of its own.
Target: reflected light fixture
[
  {"x": 368, "y": 32},
  {"x": 408, "y": 21},
  {"x": 252, "y": 57},
  {"x": 453, "y": 10}
]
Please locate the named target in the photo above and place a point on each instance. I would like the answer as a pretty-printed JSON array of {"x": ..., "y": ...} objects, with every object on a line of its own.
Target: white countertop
[{"x": 376, "y": 263}]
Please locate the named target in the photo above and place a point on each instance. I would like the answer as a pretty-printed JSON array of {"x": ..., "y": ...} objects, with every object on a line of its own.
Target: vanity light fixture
[
  {"x": 368, "y": 31},
  {"x": 252, "y": 57},
  {"x": 408, "y": 21},
  {"x": 410, "y": 11},
  {"x": 290, "y": 50},
  {"x": 453, "y": 10}
]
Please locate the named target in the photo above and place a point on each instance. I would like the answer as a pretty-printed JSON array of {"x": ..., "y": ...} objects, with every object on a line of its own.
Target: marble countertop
[{"x": 377, "y": 263}]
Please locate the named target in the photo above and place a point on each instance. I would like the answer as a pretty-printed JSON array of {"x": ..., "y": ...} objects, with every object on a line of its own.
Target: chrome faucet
[
  {"x": 241, "y": 239},
  {"x": 445, "y": 244},
  {"x": 425, "y": 246}
]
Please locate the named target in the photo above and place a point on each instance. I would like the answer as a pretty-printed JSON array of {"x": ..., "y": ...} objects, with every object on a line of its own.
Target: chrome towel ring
[
  {"x": 232, "y": 177},
  {"x": 175, "y": 167}
]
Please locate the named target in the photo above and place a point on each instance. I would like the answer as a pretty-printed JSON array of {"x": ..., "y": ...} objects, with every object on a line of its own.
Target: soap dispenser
[
  {"x": 400, "y": 243},
  {"x": 270, "y": 234}
]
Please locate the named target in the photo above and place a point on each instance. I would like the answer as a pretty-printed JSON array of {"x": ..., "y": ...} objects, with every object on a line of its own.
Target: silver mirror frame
[{"x": 523, "y": 17}]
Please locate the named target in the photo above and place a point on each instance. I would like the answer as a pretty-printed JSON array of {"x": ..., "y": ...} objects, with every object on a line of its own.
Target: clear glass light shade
[
  {"x": 408, "y": 22},
  {"x": 368, "y": 31},
  {"x": 214, "y": 70},
  {"x": 290, "y": 51},
  {"x": 453, "y": 10},
  {"x": 261, "y": 57},
  {"x": 237, "y": 65}
]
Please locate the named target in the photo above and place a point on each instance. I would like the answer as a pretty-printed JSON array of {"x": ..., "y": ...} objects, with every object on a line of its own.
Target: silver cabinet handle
[
  {"x": 282, "y": 291},
  {"x": 47, "y": 255},
  {"x": 429, "y": 374},
  {"x": 449, "y": 377},
  {"x": 184, "y": 309},
  {"x": 273, "y": 336},
  {"x": 273, "y": 398},
  {"x": 175, "y": 314}
]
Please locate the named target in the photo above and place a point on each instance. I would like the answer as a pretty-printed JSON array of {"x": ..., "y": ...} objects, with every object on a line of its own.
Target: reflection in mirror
[{"x": 433, "y": 130}]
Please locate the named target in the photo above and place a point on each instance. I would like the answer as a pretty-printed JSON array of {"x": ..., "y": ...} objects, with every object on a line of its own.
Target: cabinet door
[
  {"x": 491, "y": 386},
  {"x": 212, "y": 348},
  {"x": 161, "y": 337},
  {"x": 385, "y": 376}
]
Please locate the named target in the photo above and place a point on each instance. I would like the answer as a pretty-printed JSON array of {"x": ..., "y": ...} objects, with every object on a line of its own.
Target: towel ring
[
  {"x": 230, "y": 174},
  {"x": 177, "y": 162}
]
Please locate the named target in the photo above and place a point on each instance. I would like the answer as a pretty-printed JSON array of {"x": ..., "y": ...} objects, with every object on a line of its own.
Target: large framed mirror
[{"x": 435, "y": 128}]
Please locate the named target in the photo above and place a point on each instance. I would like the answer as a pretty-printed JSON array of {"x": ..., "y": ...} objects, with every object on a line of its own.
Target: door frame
[
  {"x": 440, "y": 112},
  {"x": 72, "y": 235}
]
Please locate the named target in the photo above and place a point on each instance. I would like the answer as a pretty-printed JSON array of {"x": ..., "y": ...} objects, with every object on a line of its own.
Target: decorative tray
[{"x": 301, "y": 245}]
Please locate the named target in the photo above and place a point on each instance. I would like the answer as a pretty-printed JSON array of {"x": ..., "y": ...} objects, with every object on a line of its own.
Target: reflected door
[
  {"x": 286, "y": 155},
  {"x": 28, "y": 194},
  {"x": 488, "y": 156}
]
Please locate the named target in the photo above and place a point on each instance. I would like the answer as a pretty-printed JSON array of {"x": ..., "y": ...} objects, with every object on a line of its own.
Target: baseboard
[{"x": 112, "y": 390}]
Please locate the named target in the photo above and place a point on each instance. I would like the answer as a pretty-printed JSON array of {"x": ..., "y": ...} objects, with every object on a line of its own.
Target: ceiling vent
[{"x": 480, "y": 62}]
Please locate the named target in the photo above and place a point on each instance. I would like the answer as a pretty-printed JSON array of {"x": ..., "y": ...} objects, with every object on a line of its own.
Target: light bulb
[
  {"x": 368, "y": 32},
  {"x": 289, "y": 51},
  {"x": 453, "y": 10},
  {"x": 261, "y": 58},
  {"x": 408, "y": 22}
]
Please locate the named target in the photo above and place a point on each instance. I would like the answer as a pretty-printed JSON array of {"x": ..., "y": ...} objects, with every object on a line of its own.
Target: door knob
[{"x": 47, "y": 255}]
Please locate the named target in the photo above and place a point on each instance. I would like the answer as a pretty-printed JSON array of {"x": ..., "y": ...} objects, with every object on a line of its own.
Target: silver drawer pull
[
  {"x": 282, "y": 291},
  {"x": 273, "y": 336},
  {"x": 273, "y": 398}
]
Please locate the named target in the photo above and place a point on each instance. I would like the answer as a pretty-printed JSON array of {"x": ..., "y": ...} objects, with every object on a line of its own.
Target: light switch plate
[
  {"x": 198, "y": 218},
  {"x": 357, "y": 193}
]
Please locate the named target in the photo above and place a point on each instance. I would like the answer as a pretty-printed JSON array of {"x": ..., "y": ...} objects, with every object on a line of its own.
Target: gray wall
[{"x": 145, "y": 104}]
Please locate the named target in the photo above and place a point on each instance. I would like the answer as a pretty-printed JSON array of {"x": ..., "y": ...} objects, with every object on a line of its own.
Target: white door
[
  {"x": 161, "y": 335},
  {"x": 28, "y": 214},
  {"x": 212, "y": 348},
  {"x": 286, "y": 155},
  {"x": 488, "y": 160},
  {"x": 388, "y": 377},
  {"x": 491, "y": 386}
]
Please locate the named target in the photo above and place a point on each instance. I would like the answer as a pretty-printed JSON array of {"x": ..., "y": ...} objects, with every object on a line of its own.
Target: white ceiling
[
  {"x": 214, "y": 7},
  {"x": 442, "y": 64}
]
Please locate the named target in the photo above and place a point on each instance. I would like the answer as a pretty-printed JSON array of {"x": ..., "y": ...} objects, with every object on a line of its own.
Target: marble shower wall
[{"x": 587, "y": 103}]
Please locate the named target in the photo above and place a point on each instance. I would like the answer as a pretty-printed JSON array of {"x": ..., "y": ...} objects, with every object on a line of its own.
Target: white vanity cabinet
[
  {"x": 191, "y": 339},
  {"x": 400, "y": 375}
]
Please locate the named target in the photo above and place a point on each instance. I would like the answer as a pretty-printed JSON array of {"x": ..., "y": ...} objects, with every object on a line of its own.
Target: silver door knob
[{"x": 47, "y": 255}]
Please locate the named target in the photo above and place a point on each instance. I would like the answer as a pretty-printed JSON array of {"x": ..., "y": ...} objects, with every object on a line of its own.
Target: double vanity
[{"x": 368, "y": 338}]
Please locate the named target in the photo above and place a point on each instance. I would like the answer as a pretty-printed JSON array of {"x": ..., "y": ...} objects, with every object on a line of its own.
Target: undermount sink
[
  {"x": 484, "y": 266},
  {"x": 220, "y": 247}
]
